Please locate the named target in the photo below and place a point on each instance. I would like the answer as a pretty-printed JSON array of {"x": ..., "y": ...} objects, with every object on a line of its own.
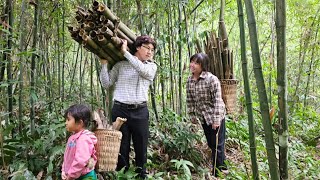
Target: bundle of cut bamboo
[
  {"x": 100, "y": 32},
  {"x": 221, "y": 57},
  {"x": 221, "y": 64}
]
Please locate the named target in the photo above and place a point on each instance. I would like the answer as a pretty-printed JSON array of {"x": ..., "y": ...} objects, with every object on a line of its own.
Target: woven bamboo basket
[
  {"x": 108, "y": 148},
  {"x": 229, "y": 94}
]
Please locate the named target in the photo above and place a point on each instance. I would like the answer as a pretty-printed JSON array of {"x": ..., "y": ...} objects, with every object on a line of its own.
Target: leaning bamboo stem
[
  {"x": 103, "y": 42},
  {"x": 100, "y": 52},
  {"x": 121, "y": 34},
  {"x": 107, "y": 12},
  {"x": 116, "y": 51}
]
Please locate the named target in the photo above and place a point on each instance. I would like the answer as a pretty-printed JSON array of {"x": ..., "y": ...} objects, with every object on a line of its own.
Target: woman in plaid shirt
[{"x": 205, "y": 104}]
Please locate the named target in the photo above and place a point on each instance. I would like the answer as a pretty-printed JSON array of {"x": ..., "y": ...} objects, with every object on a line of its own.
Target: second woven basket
[{"x": 108, "y": 147}]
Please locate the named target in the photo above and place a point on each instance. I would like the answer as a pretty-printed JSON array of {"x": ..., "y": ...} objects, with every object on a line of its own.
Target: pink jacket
[{"x": 80, "y": 148}]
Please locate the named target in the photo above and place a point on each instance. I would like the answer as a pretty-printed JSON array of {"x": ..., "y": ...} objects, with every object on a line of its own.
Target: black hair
[
  {"x": 202, "y": 59},
  {"x": 79, "y": 112},
  {"x": 144, "y": 39}
]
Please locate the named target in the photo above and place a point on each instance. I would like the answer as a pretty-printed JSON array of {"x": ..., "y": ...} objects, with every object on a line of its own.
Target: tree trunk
[
  {"x": 252, "y": 138},
  {"x": 263, "y": 99}
]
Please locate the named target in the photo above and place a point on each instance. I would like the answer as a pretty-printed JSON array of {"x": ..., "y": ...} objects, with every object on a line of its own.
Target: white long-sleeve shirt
[{"x": 131, "y": 78}]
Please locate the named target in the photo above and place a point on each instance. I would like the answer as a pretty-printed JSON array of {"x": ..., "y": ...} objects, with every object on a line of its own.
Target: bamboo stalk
[
  {"x": 122, "y": 35},
  {"x": 112, "y": 48},
  {"x": 226, "y": 63},
  {"x": 101, "y": 32},
  {"x": 82, "y": 32},
  {"x": 117, "y": 42},
  {"x": 103, "y": 42},
  {"x": 75, "y": 34},
  {"x": 224, "y": 35},
  {"x": 97, "y": 50},
  {"x": 107, "y": 12},
  {"x": 88, "y": 25},
  {"x": 79, "y": 19},
  {"x": 106, "y": 32},
  {"x": 220, "y": 64},
  {"x": 231, "y": 64}
]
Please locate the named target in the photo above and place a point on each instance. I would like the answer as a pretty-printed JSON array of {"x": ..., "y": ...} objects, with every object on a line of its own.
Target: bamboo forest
[{"x": 265, "y": 54}]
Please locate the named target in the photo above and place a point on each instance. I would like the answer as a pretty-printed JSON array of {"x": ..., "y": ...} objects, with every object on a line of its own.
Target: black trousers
[
  {"x": 216, "y": 147},
  {"x": 137, "y": 128}
]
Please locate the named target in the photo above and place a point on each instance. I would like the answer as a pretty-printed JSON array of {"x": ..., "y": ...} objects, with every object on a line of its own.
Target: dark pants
[
  {"x": 137, "y": 128},
  {"x": 216, "y": 147}
]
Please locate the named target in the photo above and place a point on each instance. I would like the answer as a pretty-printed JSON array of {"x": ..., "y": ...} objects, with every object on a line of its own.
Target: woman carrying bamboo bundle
[
  {"x": 205, "y": 104},
  {"x": 131, "y": 80}
]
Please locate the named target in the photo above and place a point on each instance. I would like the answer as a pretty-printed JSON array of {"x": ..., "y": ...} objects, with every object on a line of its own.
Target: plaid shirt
[
  {"x": 204, "y": 99},
  {"x": 131, "y": 79}
]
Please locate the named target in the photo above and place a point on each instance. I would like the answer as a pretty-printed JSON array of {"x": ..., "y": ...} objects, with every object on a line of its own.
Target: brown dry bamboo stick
[
  {"x": 106, "y": 32},
  {"x": 107, "y": 46},
  {"x": 223, "y": 33},
  {"x": 112, "y": 48},
  {"x": 231, "y": 64},
  {"x": 107, "y": 12},
  {"x": 226, "y": 67},
  {"x": 122, "y": 35},
  {"x": 220, "y": 64},
  {"x": 98, "y": 51},
  {"x": 82, "y": 32},
  {"x": 88, "y": 25},
  {"x": 198, "y": 46},
  {"x": 103, "y": 42},
  {"x": 117, "y": 42},
  {"x": 79, "y": 18}
]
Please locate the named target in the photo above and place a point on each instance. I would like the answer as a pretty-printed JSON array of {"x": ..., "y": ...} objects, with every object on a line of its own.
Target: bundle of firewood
[{"x": 100, "y": 32}]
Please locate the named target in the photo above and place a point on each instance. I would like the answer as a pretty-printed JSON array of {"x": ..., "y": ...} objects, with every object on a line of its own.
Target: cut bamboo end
[{"x": 118, "y": 123}]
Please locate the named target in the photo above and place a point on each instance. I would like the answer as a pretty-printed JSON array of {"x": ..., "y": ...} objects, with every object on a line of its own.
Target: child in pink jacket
[{"x": 80, "y": 154}]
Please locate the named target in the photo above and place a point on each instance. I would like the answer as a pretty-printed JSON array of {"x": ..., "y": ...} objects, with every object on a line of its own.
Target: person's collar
[{"x": 203, "y": 74}]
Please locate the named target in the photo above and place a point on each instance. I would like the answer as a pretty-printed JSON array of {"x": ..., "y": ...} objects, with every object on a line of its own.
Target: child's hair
[
  {"x": 79, "y": 112},
  {"x": 202, "y": 59}
]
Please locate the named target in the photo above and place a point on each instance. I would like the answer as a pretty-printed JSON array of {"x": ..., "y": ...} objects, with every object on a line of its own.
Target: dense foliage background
[{"x": 43, "y": 71}]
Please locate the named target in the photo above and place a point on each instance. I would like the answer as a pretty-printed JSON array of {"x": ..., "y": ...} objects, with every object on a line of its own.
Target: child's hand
[{"x": 63, "y": 175}]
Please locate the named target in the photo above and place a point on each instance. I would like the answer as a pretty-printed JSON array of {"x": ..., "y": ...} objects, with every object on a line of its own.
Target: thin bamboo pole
[{"x": 263, "y": 99}]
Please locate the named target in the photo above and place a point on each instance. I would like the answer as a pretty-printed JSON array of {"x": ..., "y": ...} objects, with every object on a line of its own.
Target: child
[{"x": 80, "y": 154}]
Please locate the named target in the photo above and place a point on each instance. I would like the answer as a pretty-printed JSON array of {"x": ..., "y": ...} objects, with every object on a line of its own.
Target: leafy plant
[{"x": 183, "y": 168}]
